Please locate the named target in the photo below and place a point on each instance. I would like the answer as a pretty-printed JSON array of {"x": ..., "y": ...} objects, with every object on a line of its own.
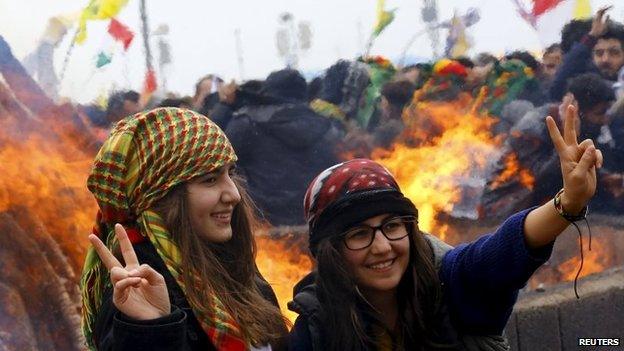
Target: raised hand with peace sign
[
  {"x": 578, "y": 162},
  {"x": 578, "y": 170},
  {"x": 139, "y": 291}
]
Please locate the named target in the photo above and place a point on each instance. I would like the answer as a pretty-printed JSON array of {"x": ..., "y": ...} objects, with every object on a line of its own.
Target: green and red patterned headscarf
[
  {"x": 143, "y": 158},
  {"x": 505, "y": 83}
]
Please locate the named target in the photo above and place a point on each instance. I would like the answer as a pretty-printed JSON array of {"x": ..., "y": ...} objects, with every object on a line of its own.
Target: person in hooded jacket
[
  {"x": 281, "y": 144},
  {"x": 382, "y": 284}
]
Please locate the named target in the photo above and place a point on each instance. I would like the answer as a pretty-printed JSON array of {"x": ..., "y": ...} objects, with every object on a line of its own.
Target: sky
[{"x": 202, "y": 40}]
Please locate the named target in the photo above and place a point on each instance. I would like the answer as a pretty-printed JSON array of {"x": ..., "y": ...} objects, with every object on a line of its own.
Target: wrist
[
  {"x": 154, "y": 315},
  {"x": 175, "y": 315},
  {"x": 589, "y": 39},
  {"x": 571, "y": 210},
  {"x": 573, "y": 207}
]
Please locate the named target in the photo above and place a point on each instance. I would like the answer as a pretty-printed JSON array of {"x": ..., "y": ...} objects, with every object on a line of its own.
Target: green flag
[{"x": 102, "y": 60}]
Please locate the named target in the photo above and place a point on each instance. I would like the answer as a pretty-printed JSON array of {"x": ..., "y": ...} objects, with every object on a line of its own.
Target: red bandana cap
[{"x": 349, "y": 193}]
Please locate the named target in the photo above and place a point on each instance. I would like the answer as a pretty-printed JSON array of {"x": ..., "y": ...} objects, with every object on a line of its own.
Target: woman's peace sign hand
[
  {"x": 139, "y": 291},
  {"x": 578, "y": 162}
]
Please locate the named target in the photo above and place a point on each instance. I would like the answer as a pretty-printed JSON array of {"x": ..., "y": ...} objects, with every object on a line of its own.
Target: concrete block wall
[{"x": 555, "y": 319}]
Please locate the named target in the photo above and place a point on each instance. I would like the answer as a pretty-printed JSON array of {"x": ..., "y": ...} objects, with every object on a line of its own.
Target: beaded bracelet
[{"x": 568, "y": 216}]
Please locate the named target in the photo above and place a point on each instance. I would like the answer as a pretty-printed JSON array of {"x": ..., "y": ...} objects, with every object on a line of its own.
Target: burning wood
[
  {"x": 514, "y": 171},
  {"x": 43, "y": 304},
  {"x": 47, "y": 176}
]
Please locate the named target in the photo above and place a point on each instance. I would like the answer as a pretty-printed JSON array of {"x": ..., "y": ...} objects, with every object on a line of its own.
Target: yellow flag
[
  {"x": 110, "y": 8},
  {"x": 457, "y": 42},
  {"x": 97, "y": 10},
  {"x": 582, "y": 9},
  {"x": 81, "y": 36},
  {"x": 384, "y": 18},
  {"x": 102, "y": 100}
]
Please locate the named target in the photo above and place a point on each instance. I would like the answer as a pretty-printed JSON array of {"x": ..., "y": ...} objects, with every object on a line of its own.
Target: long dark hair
[
  {"x": 349, "y": 317},
  {"x": 227, "y": 269}
]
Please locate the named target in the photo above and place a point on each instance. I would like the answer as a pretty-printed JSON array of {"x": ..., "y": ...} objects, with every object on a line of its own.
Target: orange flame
[
  {"x": 603, "y": 255},
  {"x": 513, "y": 170},
  {"x": 453, "y": 145},
  {"x": 45, "y": 173},
  {"x": 283, "y": 263},
  {"x": 594, "y": 261}
]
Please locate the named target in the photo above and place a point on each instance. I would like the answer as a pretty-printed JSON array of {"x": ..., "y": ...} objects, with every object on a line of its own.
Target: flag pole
[
  {"x": 239, "y": 54},
  {"x": 145, "y": 32},
  {"x": 369, "y": 45},
  {"x": 68, "y": 54},
  {"x": 150, "y": 78}
]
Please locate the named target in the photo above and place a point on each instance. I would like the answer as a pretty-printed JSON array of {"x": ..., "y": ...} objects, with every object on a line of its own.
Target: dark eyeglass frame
[{"x": 404, "y": 219}]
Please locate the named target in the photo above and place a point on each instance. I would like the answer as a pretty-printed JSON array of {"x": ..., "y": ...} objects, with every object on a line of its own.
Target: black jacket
[
  {"x": 178, "y": 331},
  {"x": 309, "y": 334},
  {"x": 281, "y": 148}
]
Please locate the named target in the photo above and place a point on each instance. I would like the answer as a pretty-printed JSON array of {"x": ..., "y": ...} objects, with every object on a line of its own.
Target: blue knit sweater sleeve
[{"x": 481, "y": 279}]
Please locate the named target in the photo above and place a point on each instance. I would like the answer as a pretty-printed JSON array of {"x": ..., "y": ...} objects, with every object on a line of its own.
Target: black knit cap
[{"x": 349, "y": 193}]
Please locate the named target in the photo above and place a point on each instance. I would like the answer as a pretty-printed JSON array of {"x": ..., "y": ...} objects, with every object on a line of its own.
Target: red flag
[
  {"x": 120, "y": 32},
  {"x": 150, "y": 82},
  {"x": 542, "y": 6}
]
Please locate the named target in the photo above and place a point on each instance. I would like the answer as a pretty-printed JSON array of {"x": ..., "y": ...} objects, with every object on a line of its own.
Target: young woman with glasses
[{"x": 382, "y": 284}]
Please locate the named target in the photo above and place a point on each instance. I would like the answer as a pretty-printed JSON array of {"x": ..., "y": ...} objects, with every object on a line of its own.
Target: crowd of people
[
  {"x": 286, "y": 130},
  {"x": 172, "y": 262}
]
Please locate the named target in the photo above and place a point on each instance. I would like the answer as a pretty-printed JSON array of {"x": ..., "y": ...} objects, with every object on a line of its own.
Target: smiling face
[
  {"x": 379, "y": 267},
  {"x": 211, "y": 200}
]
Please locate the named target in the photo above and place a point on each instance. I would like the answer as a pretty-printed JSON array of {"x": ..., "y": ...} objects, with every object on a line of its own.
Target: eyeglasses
[{"x": 362, "y": 236}]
